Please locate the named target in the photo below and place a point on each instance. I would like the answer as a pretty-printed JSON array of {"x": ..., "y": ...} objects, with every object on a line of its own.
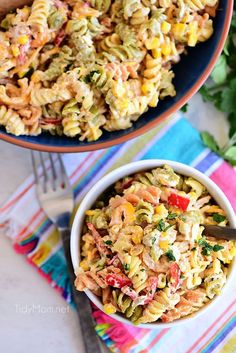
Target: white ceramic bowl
[{"x": 129, "y": 169}]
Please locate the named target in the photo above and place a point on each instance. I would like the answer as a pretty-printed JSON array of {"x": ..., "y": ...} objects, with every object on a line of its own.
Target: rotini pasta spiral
[
  {"x": 71, "y": 119},
  {"x": 101, "y": 5},
  {"x": 144, "y": 212},
  {"x": 12, "y": 121},
  {"x": 162, "y": 302},
  {"x": 39, "y": 15},
  {"x": 138, "y": 277}
]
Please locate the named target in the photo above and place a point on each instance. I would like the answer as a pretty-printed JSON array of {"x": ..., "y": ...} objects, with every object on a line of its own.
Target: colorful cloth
[{"x": 34, "y": 236}]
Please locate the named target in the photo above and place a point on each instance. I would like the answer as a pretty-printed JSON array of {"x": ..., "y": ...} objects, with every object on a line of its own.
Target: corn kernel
[
  {"x": 165, "y": 27},
  {"x": 15, "y": 50},
  {"x": 36, "y": 76},
  {"x": 23, "y": 39},
  {"x": 89, "y": 212},
  {"x": 164, "y": 244},
  {"x": 84, "y": 265},
  {"x": 192, "y": 40},
  {"x": 197, "y": 281},
  {"x": 22, "y": 73},
  {"x": 161, "y": 281},
  {"x": 152, "y": 43},
  {"x": 147, "y": 88},
  {"x": 178, "y": 29},
  {"x": 153, "y": 102},
  {"x": 166, "y": 49},
  {"x": 156, "y": 53},
  {"x": 161, "y": 210},
  {"x": 69, "y": 27},
  {"x": 137, "y": 238},
  {"x": 109, "y": 308}
]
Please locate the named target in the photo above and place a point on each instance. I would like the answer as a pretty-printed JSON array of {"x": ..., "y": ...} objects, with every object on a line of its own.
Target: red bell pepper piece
[
  {"x": 178, "y": 201},
  {"x": 174, "y": 275},
  {"x": 117, "y": 280}
]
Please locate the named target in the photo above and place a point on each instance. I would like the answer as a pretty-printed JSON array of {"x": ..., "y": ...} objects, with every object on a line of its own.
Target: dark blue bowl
[{"x": 190, "y": 73}]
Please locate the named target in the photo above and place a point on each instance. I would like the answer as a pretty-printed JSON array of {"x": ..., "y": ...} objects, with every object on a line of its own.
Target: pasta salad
[
  {"x": 80, "y": 67},
  {"x": 143, "y": 250}
]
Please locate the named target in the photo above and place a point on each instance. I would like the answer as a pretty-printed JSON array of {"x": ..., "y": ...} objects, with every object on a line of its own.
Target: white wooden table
[{"x": 33, "y": 317}]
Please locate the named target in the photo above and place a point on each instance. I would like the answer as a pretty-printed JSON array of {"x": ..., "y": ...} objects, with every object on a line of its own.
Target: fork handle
[{"x": 82, "y": 302}]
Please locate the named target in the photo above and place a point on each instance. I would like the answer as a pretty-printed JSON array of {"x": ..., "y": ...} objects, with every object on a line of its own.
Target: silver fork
[{"x": 55, "y": 196}]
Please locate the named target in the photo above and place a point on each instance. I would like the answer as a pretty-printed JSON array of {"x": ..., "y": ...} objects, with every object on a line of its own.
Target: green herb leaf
[
  {"x": 172, "y": 216},
  {"x": 184, "y": 108},
  {"x": 153, "y": 240},
  {"x": 202, "y": 242},
  {"x": 170, "y": 255},
  {"x": 209, "y": 141},
  {"x": 228, "y": 103},
  {"x": 206, "y": 251},
  {"x": 218, "y": 217},
  {"x": 217, "y": 247},
  {"x": 108, "y": 242},
  {"x": 161, "y": 225},
  {"x": 142, "y": 269},
  {"x": 89, "y": 78},
  {"x": 230, "y": 155},
  {"x": 223, "y": 92},
  {"x": 219, "y": 72},
  {"x": 126, "y": 267},
  {"x": 207, "y": 96}
]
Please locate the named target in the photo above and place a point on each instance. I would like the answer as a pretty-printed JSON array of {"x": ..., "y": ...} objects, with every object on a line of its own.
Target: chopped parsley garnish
[
  {"x": 183, "y": 219},
  {"x": 108, "y": 242},
  {"x": 142, "y": 269},
  {"x": 172, "y": 216},
  {"x": 182, "y": 276},
  {"x": 206, "y": 251},
  {"x": 170, "y": 255},
  {"x": 217, "y": 247},
  {"x": 126, "y": 267},
  {"x": 207, "y": 248},
  {"x": 218, "y": 217},
  {"x": 153, "y": 240},
  {"x": 161, "y": 225},
  {"x": 202, "y": 242},
  {"x": 89, "y": 78}
]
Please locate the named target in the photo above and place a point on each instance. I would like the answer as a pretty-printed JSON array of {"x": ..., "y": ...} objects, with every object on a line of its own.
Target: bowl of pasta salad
[
  {"x": 138, "y": 247},
  {"x": 84, "y": 75}
]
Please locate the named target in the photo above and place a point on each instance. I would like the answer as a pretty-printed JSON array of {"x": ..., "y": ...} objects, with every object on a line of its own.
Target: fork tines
[{"x": 49, "y": 172}]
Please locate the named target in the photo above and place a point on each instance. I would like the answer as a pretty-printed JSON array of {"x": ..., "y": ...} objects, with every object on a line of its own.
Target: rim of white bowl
[{"x": 100, "y": 186}]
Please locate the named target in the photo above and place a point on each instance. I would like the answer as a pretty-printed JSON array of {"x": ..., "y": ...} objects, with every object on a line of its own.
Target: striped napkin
[{"x": 34, "y": 236}]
